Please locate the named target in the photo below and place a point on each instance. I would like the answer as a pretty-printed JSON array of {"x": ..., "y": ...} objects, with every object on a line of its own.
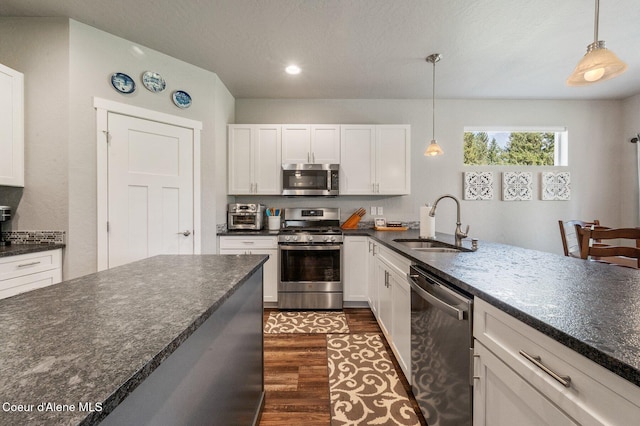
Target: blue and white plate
[
  {"x": 153, "y": 81},
  {"x": 182, "y": 99},
  {"x": 123, "y": 83}
]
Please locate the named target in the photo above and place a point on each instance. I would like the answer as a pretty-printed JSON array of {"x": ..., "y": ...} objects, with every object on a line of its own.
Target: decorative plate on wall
[
  {"x": 153, "y": 81},
  {"x": 182, "y": 99},
  {"x": 123, "y": 83}
]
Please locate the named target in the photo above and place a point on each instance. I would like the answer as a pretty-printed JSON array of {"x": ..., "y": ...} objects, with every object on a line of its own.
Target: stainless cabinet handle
[
  {"x": 185, "y": 233},
  {"x": 24, "y": 265},
  {"x": 313, "y": 157},
  {"x": 256, "y": 188},
  {"x": 308, "y": 157},
  {"x": 563, "y": 380}
]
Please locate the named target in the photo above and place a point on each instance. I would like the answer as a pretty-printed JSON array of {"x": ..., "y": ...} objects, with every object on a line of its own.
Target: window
[{"x": 516, "y": 146}]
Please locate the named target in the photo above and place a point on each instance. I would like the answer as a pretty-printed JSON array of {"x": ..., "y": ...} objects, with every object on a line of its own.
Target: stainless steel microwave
[{"x": 310, "y": 179}]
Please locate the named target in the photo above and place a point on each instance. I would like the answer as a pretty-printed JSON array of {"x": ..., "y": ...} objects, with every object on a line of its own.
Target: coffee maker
[{"x": 5, "y": 216}]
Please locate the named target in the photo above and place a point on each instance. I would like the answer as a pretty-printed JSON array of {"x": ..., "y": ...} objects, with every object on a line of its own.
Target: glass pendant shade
[
  {"x": 433, "y": 149},
  {"x": 599, "y": 64}
]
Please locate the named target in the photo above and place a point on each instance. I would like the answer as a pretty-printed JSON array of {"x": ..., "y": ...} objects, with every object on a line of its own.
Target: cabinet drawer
[
  {"x": 594, "y": 395},
  {"x": 31, "y": 263},
  {"x": 248, "y": 242},
  {"x": 29, "y": 282}
]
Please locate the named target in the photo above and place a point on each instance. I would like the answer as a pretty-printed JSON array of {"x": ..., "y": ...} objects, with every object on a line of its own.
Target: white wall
[
  {"x": 596, "y": 154},
  {"x": 44, "y": 203},
  {"x": 629, "y": 185},
  {"x": 66, "y": 64}
]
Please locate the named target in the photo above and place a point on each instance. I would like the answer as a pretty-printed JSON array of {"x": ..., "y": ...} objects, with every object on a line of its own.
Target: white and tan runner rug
[
  {"x": 365, "y": 388},
  {"x": 306, "y": 322}
]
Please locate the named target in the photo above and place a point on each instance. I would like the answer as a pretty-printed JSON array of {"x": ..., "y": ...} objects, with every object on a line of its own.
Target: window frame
[{"x": 561, "y": 141}]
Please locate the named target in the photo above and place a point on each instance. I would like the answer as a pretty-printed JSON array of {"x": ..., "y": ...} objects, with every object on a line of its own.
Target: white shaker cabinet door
[
  {"x": 357, "y": 160},
  {"x": 241, "y": 146},
  {"x": 393, "y": 160},
  {"x": 296, "y": 144},
  {"x": 501, "y": 397},
  {"x": 11, "y": 127},
  {"x": 325, "y": 144}
]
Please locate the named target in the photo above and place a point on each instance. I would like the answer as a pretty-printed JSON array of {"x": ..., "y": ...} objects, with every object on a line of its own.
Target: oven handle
[{"x": 311, "y": 247}]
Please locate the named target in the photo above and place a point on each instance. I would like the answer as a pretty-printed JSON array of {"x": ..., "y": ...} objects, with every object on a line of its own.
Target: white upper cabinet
[
  {"x": 254, "y": 159},
  {"x": 319, "y": 144},
  {"x": 11, "y": 127},
  {"x": 375, "y": 160}
]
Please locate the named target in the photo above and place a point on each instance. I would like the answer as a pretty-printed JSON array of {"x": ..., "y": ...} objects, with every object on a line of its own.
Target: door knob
[{"x": 185, "y": 233}]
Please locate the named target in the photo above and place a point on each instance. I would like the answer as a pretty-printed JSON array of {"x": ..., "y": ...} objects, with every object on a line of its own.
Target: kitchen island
[{"x": 161, "y": 338}]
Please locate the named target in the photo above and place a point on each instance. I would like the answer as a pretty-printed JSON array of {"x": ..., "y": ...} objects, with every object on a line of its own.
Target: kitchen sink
[{"x": 431, "y": 246}]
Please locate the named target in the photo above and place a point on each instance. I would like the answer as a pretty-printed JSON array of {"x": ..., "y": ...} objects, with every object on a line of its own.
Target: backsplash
[{"x": 34, "y": 237}]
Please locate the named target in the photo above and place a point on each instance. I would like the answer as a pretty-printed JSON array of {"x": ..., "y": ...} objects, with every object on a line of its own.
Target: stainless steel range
[{"x": 310, "y": 248}]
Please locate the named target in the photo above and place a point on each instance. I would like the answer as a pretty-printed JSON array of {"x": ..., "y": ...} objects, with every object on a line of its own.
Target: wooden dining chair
[
  {"x": 570, "y": 240},
  {"x": 594, "y": 245}
]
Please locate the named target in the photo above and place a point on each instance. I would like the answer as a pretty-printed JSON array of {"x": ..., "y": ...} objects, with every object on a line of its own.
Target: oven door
[
  {"x": 310, "y": 268},
  {"x": 243, "y": 221}
]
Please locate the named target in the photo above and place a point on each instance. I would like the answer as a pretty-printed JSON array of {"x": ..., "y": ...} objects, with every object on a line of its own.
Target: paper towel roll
[{"x": 427, "y": 223}]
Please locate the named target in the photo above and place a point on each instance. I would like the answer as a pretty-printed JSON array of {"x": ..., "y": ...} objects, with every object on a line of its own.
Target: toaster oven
[{"x": 245, "y": 216}]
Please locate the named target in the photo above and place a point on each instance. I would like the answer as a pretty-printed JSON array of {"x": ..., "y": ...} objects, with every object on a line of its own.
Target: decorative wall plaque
[
  {"x": 478, "y": 185},
  {"x": 517, "y": 186},
  {"x": 556, "y": 186}
]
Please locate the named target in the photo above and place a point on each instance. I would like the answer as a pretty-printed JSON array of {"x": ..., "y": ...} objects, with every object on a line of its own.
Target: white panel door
[{"x": 150, "y": 185}]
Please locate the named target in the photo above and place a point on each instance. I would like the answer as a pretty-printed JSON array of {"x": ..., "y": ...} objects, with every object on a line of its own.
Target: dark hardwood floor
[{"x": 296, "y": 378}]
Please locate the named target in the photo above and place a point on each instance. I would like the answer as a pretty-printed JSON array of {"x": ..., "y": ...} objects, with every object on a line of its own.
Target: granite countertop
[
  {"x": 590, "y": 307},
  {"x": 246, "y": 232},
  {"x": 93, "y": 339},
  {"x": 16, "y": 249}
]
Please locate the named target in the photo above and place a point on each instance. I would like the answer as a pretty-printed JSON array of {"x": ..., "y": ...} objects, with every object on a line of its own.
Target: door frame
[{"x": 103, "y": 107}]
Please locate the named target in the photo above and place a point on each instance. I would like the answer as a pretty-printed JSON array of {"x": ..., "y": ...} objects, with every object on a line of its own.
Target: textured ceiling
[{"x": 517, "y": 49}]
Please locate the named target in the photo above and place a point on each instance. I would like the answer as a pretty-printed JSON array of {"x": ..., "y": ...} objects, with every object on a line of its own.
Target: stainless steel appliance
[
  {"x": 245, "y": 216},
  {"x": 310, "y": 179},
  {"x": 5, "y": 215},
  {"x": 310, "y": 249},
  {"x": 441, "y": 350}
]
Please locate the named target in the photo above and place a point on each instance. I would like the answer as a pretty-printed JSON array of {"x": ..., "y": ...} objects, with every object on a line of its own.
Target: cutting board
[{"x": 390, "y": 228}]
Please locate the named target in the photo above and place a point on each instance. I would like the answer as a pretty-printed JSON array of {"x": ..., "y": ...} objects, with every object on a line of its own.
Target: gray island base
[{"x": 166, "y": 340}]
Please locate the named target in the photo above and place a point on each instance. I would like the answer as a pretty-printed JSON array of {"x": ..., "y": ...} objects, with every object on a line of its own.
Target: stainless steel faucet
[{"x": 459, "y": 234}]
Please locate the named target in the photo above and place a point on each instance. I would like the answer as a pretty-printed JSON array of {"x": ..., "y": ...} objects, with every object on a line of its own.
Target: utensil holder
[{"x": 273, "y": 223}]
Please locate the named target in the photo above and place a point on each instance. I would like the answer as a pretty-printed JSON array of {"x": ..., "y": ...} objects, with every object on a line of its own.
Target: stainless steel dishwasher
[{"x": 441, "y": 350}]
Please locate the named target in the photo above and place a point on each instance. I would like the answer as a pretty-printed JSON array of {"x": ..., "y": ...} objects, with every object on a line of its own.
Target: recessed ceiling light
[{"x": 292, "y": 69}]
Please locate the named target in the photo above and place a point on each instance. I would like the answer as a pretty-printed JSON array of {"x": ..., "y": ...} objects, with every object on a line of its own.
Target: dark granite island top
[
  {"x": 93, "y": 339},
  {"x": 590, "y": 307}
]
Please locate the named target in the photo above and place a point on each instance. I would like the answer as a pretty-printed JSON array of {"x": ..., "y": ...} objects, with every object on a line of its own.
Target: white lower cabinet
[
  {"x": 26, "y": 272},
  {"x": 372, "y": 283},
  {"x": 257, "y": 245},
  {"x": 511, "y": 389},
  {"x": 354, "y": 273},
  {"x": 394, "y": 303}
]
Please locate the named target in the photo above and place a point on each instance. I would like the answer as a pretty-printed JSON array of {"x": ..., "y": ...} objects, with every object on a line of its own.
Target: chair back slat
[
  {"x": 570, "y": 240},
  {"x": 594, "y": 239}
]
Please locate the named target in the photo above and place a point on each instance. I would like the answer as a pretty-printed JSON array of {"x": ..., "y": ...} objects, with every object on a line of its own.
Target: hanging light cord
[
  {"x": 595, "y": 24},
  {"x": 433, "y": 116}
]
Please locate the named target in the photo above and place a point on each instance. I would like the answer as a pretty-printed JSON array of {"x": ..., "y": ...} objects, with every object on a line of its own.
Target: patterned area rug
[
  {"x": 306, "y": 322},
  {"x": 365, "y": 388}
]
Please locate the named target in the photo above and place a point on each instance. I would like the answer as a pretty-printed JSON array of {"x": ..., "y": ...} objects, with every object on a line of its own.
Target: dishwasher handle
[{"x": 450, "y": 310}]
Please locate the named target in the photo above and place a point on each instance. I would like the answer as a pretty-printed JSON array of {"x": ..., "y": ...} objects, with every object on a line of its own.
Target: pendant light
[
  {"x": 434, "y": 149},
  {"x": 598, "y": 64}
]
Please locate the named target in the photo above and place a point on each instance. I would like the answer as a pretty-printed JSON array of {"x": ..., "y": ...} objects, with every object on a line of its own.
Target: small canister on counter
[{"x": 5, "y": 216}]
